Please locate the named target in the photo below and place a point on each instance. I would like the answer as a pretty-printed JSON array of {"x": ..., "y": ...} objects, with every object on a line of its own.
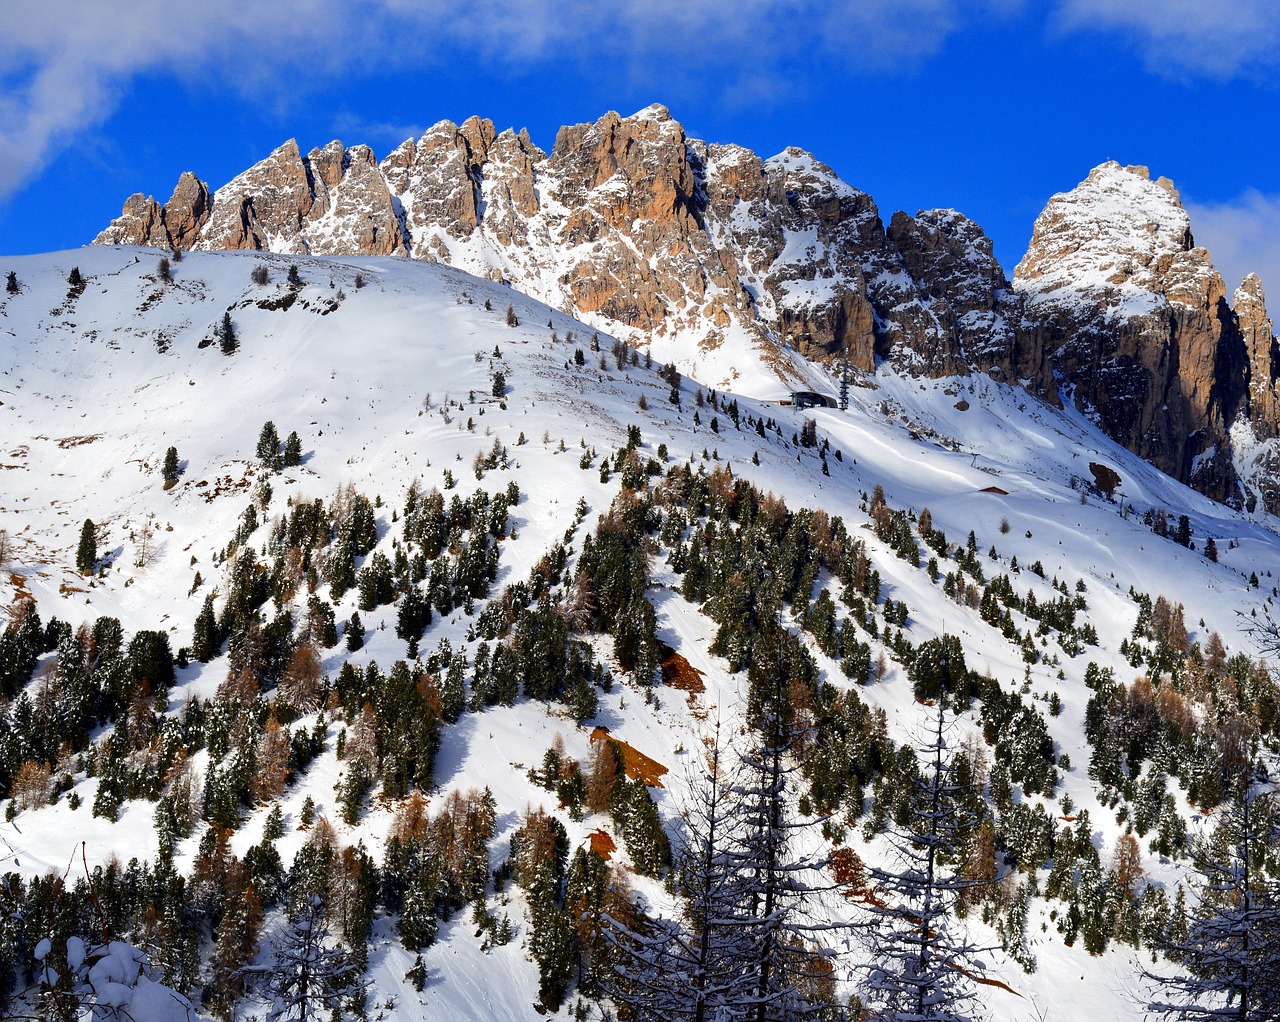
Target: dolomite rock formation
[
  {"x": 667, "y": 241},
  {"x": 1136, "y": 322},
  {"x": 712, "y": 257}
]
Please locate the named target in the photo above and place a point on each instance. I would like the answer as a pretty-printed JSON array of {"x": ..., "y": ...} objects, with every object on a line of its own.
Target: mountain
[
  {"x": 731, "y": 266},
  {"x": 465, "y": 446}
]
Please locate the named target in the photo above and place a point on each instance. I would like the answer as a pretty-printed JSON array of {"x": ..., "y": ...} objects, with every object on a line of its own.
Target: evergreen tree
[
  {"x": 87, "y": 551},
  {"x": 305, "y": 977},
  {"x": 11, "y": 282},
  {"x": 227, "y": 335},
  {"x": 292, "y": 450},
  {"x": 512, "y": 319},
  {"x": 74, "y": 278},
  {"x": 170, "y": 470},
  {"x": 695, "y": 968},
  {"x": 1228, "y": 945},
  {"x": 268, "y": 449},
  {"x": 355, "y": 632},
  {"x": 920, "y": 968},
  {"x": 295, "y": 281}
]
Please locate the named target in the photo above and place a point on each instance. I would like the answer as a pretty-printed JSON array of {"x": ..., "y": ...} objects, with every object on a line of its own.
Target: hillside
[
  {"x": 412, "y": 389},
  {"x": 753, "y": 273}
]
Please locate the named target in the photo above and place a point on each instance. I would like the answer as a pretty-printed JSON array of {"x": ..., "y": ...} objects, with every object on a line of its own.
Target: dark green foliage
[
  {"x": 295, "y": 281},
  {"x": 408, "y": 731},
  {"x": 226, "y": 335},
  {"x": 151, "y": 662},
  {"x": 87, "y": 551},
  {"x": 641, "y": 828},
  {"x": 268, "y": 449},
  {"x": 11, "y": 283},
  {"x": 170, "y": 470},
  {"x": 938, "y": 670},
  {"x": 292, "y": 450},
  {"x": 375, "y": 583},
  {"x": 614, "y": 567},
  {"x": 413, "y": 616},
  {"x": 1020, "y": 736},
  {"x": 74, "y": 278},
  {"x": 355, "y": 632}
]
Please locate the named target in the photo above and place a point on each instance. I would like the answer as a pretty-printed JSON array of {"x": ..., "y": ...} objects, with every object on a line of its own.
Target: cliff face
[
  {"x": 712, "y": 257},
  {"x": 1137, "y": 325},
  {"x": 665, "y": 240}
]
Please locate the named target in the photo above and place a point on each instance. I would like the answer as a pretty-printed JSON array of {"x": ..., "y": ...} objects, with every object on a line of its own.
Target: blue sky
[{"x": 987, "y": 106}]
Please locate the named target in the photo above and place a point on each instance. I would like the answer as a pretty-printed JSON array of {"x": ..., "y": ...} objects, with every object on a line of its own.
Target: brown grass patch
[
  {"x": 635, "y": 762},
  {"x": 679, "y": 673},
  {"x": 67, "y": 442}
]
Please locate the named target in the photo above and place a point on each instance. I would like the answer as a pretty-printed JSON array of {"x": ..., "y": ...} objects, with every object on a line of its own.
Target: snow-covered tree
[
  {"x": 694, "y": 968},
  {"x": 920, "y": 966},
  {"x": 304, "y": 976},
  {"x": 747, "y": 945},
  {"x": 1228, "y": 945}
]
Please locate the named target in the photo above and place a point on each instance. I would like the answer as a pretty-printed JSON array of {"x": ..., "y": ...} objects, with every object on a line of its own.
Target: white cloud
[
  {"x": 1242, "y": 236},
  {"x": 1187, "y": 38},
  {"x": 64, "y": 63}
]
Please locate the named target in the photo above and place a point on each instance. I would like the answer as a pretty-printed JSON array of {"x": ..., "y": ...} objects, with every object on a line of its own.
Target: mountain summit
[{"x": 754, "y": 273}]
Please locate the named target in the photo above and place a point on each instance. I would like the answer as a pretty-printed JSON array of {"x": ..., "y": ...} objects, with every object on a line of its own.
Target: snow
[{"x": 88, "y": 405}]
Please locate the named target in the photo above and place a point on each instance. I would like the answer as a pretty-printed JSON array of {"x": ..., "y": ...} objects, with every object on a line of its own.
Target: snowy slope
[{"x": 390, "y": 383}]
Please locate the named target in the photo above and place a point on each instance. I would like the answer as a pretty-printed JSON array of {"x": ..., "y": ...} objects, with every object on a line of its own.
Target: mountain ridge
[{"x": 715, "y": 259}]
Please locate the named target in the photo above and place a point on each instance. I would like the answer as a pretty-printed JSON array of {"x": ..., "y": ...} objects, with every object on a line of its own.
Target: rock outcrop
[
  {"x": 720, "y": 261},
  {"x": 1138, "y": 327},
  {"x": 665, "y": 240}
]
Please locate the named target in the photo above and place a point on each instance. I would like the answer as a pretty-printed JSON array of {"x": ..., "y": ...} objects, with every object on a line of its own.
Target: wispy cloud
[
  {"x": 1243, "y": 236},
  {"x": 1187, "y": 38},
  {"x": 65, "y": 63}
]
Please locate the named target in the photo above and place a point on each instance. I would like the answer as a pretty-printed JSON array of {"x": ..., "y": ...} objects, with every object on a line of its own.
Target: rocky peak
[
  {"x": 717, "y": 259},
  {"x": 1138, "y": 324},
  {"x": 1119, "y": 240},
  {"x": 1257, "y": 333}
]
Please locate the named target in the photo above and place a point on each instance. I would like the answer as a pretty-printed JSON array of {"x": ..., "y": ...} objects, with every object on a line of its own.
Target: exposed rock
[
  {"x": 1258, "y": 335},
  {"x": 686, "y": 247},
  {"x": 187, "y": 211},
  {"x": 1138, "y": 325},
  {"x": 140, "y": 223}
]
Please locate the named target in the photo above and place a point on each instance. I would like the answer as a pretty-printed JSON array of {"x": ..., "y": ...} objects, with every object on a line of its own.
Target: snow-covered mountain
[
  {"x": 406, "y": 378},
  {"x": 747, "y": 272}
]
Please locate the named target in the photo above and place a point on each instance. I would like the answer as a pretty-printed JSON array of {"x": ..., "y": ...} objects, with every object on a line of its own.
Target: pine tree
[
  {"x": 87, "y": 551},
  {"x": 1228, "y": 945},
  {"x": 355, "y": 632},
  {"x": 295, "y": 281},
  {"x": 268, "y": 449},
  {"x": 512, "y": 319},
  {"x": 305, "y": 977},
  {"x": 292, "y": 450},
  {"x": 227, "y": 335},
  {"x": 920, "y": 968},
  {"x": 695, "y": 968},
  {"x": 170, "y": 470},
  {"x": 11, "y": 282}
]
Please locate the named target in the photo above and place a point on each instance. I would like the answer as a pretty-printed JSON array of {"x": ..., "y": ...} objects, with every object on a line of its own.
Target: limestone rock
[
  {"x": 686, "y": 246},
  {"x": 187, "y": 211},
  {"x": 1137, "y": 323}
]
